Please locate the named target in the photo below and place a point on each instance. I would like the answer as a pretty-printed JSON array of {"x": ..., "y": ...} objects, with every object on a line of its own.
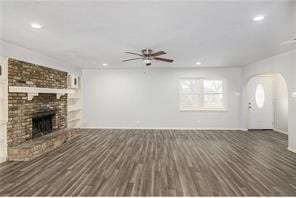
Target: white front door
[{"x": 260, "y": 95}]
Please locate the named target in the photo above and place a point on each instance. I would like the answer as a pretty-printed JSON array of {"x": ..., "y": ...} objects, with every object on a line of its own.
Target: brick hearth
[{"x": 36, "y": 147}]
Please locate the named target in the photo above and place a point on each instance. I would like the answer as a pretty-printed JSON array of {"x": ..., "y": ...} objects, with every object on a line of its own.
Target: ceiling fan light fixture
[
  {"x": 147, "y": 56},
  {"x": 147, "y": 61}
]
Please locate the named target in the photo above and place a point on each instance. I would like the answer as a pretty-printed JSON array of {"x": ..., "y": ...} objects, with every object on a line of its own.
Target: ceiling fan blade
[
  {"x": 158, "y": 53},
  {"x": 135, "y": 54},
  {"x": 164, "y": 59},
  {"x": 131, "y": 59}
]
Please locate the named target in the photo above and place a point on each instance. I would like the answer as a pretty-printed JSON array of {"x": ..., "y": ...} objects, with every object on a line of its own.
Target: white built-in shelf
[
  {"x": 34, "y": 91},
  {"x": 3, "y": 122},
  {"x": 74, "y": 108},
  {"x": 74, "y": 102},
  {"x": 3, "y": 108},
  {"x": 74, "y": 98},
  {"x": 73, "y": 119}
]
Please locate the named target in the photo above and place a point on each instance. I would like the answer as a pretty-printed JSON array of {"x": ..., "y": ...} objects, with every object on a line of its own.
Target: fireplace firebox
[{"x": 42, "y": 123}]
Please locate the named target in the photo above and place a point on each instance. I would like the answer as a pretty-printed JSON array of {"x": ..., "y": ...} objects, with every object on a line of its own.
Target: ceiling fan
[{"x": 147, "y": 55}]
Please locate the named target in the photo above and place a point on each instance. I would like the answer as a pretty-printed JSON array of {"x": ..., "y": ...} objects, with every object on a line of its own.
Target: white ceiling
[{"x": 89, "y": 33}]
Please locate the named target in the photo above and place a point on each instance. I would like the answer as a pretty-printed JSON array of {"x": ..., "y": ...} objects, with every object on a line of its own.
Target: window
[
  {"x": 202, "y": 94},
  {"x": 260, "y": 96}
]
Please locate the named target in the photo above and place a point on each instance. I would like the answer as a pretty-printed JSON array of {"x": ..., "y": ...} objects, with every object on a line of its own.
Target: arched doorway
[{"x": 281, "y": 111}]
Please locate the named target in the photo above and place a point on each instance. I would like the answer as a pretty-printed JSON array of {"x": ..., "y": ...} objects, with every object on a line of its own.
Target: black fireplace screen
[{"x": 42, "y": 123}]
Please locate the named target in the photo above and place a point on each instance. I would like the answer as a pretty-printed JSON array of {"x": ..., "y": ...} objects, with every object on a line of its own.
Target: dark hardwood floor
[{"x": 158, "y": 162}]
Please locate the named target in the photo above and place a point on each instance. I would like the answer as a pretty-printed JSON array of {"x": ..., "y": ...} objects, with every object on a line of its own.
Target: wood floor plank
[{"x": 119, "y": 162}]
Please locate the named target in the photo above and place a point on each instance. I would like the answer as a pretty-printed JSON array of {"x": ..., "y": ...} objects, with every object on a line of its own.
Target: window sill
[{"x": 203, "y": 110}]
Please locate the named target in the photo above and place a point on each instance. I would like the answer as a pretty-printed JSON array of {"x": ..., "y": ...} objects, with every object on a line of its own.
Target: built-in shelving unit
[
  {"x": 3, "y": 108},
  {"x": 74, "y": 103}
]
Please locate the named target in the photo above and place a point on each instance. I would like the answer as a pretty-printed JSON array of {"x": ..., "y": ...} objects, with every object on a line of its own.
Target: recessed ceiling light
[
  {"x": 36, "y": 25},
  {"x": 198, "y": 63},
  {"x": 258, "y": 18},
  {"x": 104, "y": 64}
]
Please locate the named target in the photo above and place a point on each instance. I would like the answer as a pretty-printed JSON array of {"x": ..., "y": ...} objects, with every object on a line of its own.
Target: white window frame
[{"x": 201, "y": 97}]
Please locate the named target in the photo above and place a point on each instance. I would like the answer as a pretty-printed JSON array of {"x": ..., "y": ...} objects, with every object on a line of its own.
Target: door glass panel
[{"x": 260, "y": 96}]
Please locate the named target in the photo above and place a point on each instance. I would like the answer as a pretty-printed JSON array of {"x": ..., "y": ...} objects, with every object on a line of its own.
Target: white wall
[
  {"x": 285, "y": 64},
  {"x": 280, "y": 103},
  {"x": 149, "y": 98},
  {"x": 13, "y": 51}
]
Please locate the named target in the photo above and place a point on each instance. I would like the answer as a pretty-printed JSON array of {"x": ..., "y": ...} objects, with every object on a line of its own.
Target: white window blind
[{"x": 202, "y": 94}]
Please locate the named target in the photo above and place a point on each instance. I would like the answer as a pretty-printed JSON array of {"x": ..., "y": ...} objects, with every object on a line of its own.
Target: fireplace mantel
[{"x": 34, "y": 91}]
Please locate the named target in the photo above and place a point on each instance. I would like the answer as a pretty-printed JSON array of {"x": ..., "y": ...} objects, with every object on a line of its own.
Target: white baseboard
[
  {"x": 3, "y": 159},
  {"x": 280, "y": 131},
  {"x": 292, "y": 149},
  {"x": 165, "y": 128}
]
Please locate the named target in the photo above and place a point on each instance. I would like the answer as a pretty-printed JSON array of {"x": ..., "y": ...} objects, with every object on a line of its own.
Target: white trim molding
[
  {"x": 280, "y": 131},
  {"x": 165, "y": 128},
  {"x": 3, "y": 159},
  {"x": 3, "y": 108},
  {"x": 292, "y": 149}
]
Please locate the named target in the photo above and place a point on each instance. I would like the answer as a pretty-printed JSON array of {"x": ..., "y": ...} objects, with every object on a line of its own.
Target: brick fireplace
[
  {"x": 21, "y": 110},
  {"x": 24, "y": 116}
]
